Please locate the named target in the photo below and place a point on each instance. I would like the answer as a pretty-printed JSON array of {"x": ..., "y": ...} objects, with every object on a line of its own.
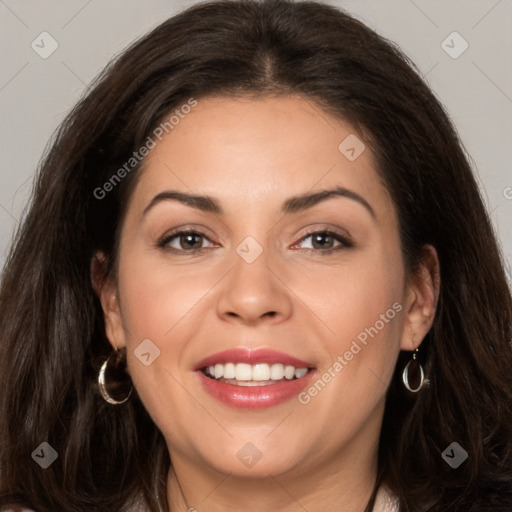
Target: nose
[{"x": 253, "y": 293}]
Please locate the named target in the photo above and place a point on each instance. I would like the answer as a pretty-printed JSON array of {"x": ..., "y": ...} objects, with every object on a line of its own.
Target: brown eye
[
  {"x": 324, "y": 242},
  {"x": 190, "y": 241},
  {"x": 185, "y": 241}
]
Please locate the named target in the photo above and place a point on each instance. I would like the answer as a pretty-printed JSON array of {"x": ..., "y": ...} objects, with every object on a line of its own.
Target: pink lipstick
[{"x": 253, "y": 379}]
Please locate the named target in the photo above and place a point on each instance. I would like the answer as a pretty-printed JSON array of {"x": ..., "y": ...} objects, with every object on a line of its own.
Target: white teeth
[
  {"x": 229, "y": 371},
  {"x": 277, "y": 371},
  {"x": 289, "y": 372},
  {"x": 300, "y": 372},
  {"x": 243, "y": 371},
  {"x": 261, "y": 372}
]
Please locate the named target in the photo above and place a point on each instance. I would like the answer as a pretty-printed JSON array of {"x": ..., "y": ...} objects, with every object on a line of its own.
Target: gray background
[{"x": 36, "y": 93}]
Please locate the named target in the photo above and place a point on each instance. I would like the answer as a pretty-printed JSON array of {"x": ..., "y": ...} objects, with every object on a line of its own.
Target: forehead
[{"x": 243, "y": 150}]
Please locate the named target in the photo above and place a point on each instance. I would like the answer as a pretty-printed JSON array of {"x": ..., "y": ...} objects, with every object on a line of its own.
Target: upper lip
[{"x": 251, "y": 356}]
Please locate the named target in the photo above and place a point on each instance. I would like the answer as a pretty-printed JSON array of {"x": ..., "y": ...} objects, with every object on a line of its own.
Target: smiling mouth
[{"x": 248, "y": 375}]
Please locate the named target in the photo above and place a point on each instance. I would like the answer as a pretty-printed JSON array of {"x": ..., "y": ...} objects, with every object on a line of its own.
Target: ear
[
  {"x": 422, "y": 294},
  {"x": 106, "y": 290}
]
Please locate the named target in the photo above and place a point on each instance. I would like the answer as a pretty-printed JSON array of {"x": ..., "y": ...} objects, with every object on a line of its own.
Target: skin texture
[{"x": 251, "y": 155}]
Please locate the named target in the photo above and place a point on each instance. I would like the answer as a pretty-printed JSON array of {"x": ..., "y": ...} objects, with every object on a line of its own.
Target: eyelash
[{"x": 345, "y": 242}]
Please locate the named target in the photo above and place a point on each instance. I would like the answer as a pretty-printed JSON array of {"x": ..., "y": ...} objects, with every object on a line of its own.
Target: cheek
[
  {"x": 164, "y": 304},
  {"x": 159, "y": 305},
  {"x": 157, "y": 297},
  {"x": 352, "y": 295},
  {"x": 361, "y": 312}
]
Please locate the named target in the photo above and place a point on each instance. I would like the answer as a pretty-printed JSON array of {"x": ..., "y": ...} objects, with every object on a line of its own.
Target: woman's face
[{"x": 277, "y": 273}]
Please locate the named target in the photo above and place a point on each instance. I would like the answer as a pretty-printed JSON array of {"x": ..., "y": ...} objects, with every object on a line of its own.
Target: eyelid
[
  {"x": 342, "y": 233},
  {"x": 345, "y": 240},
  {"x": 180, "y": 230},
  {"x": 189, "y": 228}
]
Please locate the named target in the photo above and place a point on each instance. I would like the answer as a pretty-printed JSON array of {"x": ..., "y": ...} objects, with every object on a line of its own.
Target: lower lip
[{"x": 254, "y": 397}]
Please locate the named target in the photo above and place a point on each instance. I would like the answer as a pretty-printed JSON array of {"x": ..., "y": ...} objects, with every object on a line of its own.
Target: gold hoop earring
[
  {"x": 405, "y": 375},
  {"x": 116, "y": 385}
]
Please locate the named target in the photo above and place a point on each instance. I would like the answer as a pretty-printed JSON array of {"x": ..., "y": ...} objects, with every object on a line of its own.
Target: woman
[{"x": 256, "y": 274}]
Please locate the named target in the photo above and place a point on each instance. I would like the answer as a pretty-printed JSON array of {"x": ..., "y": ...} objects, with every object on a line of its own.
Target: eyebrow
[{"x": 294, "y": 204}]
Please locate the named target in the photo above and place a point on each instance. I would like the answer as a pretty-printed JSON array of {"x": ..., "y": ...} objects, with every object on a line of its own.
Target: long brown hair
[{"x": 51, "y": 326}]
